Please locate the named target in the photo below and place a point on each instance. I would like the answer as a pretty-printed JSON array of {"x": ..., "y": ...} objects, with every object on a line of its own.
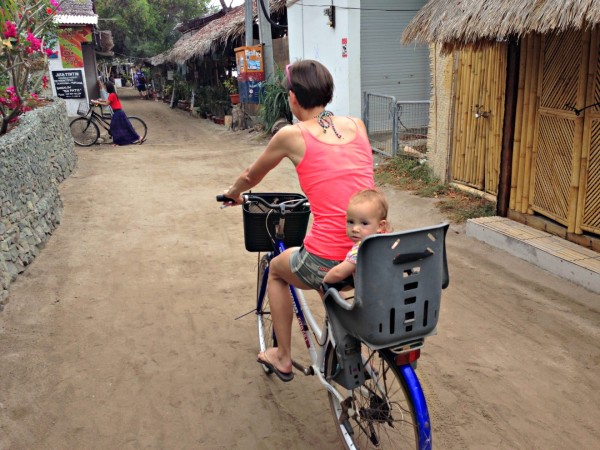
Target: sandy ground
[{"x": 122, "y": 333}]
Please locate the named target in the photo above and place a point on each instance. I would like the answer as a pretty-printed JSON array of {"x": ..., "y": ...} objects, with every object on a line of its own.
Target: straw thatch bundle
[
  {"x": 459, "y": 23},
  {"x": 212, "y": 36}
]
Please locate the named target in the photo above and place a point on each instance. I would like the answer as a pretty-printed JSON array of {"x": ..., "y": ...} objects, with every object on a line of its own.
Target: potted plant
[
  {"x": 230, "y": 84},
  {"x": 274, "y": 101}
]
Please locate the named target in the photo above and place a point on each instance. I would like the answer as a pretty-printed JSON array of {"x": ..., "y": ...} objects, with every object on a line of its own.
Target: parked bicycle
[
  {"x": 365, "y": 351},
  {"x": 86, "y": 129}
]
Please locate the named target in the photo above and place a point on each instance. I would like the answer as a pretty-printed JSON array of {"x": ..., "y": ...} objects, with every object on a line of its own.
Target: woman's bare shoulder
[{"x": 289, "y": 140}]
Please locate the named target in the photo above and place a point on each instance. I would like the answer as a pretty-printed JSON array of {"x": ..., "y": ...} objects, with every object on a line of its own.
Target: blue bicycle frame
[{"x": 415, "y": 390}]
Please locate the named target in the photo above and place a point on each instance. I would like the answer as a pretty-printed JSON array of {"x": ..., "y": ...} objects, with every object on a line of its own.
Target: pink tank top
[{"x": 329, "y": 174}]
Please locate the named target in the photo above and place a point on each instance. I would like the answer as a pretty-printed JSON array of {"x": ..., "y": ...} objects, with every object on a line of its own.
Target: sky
[{"x": 227, "y": 2}]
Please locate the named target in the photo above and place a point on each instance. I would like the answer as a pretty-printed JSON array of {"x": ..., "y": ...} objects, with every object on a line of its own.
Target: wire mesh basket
[
  {"x": 259, "y": 222},
  {"x": 83, "y": 109}
]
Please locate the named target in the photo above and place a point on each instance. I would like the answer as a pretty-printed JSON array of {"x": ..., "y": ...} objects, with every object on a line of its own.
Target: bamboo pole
[
  {"x": 463, "y": 124},
  {"x": 521, "y": 180},
  {"x": 530, "y": 150},
  {"x": 478, "y": 141},
  {"x": 536, "y": 126},
  {"x": 523, "y": 67},
  {"x": 471, "y": 121},
  {"x": 487, "y": 76},
  {"x": 457, "y": 128},
  {"x": 579, "y": 132},
  {"x": 507, "y": 144}
]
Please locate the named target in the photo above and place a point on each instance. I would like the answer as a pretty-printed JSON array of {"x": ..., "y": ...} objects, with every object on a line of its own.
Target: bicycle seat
[{"x": 398, "y": 284}]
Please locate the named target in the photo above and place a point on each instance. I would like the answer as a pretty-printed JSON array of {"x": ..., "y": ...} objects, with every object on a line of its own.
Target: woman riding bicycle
[{"x": 333, "y": 160}]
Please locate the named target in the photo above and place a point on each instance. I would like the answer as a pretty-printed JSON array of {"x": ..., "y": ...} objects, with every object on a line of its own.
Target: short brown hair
[{"x": 311, "y": 82}]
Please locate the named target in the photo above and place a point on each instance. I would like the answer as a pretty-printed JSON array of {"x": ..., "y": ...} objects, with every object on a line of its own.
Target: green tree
[{"x": 144, "y": 28}]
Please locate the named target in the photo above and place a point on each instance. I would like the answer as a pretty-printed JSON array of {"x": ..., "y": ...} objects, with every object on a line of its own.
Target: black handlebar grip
[{"x": 221, "y": 198}]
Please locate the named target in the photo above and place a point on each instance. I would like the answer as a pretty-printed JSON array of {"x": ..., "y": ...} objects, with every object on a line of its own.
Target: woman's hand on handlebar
[{"x": 229, "y": 200}]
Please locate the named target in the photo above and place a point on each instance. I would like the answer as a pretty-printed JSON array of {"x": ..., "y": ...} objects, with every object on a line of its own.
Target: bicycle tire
[
  {"x": 84, "y": 131},
  {"x": 378, "y": 415},
  {"x": 139, "y": 126},
  {"x": 266, "y": 336}
]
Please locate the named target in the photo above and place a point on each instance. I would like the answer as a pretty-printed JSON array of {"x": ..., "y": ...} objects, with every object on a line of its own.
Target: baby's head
[{"x": 366, "y": 214}]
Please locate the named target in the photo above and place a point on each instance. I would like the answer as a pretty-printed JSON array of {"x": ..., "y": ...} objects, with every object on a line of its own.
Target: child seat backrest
[{"x": 398, "y": 283}]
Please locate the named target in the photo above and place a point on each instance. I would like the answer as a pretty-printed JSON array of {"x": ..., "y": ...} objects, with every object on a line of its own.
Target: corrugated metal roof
[{"x": 76, "y": 20}]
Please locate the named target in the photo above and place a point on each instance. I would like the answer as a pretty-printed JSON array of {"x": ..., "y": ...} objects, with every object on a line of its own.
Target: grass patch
[{"x": 411, "y": 175}]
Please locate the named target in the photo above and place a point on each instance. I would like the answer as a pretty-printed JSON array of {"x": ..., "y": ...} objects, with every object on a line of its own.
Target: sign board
[
  {"x": 70, "y": 40},
  {"x": 68, "y": 83}
]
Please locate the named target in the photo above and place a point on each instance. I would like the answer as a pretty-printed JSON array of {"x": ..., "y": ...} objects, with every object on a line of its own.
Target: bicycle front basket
[
  {"x": 259, "y": 222},
  {"x": 83, "y": 109}
]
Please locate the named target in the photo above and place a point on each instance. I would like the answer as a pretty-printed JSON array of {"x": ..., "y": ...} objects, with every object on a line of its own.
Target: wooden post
[{"x": 508, "y": 129}]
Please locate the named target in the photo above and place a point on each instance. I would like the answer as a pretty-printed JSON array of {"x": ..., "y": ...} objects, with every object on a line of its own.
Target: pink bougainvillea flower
[
  {"x": 36, "y": 43},
  {"x": 44, "y": 82},
  {"x": 55, "y": 3},
  {"x": 10, "y": 29}
]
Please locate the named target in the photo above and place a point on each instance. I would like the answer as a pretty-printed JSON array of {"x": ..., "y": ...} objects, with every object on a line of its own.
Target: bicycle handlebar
[{"x": 288, "y": 205}]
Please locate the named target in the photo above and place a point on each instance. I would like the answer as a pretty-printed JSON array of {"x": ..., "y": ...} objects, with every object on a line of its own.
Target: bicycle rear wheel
[
  {"x": 84, "y": 131},
  {"x": 139, "y": 126},
  {"x": 266, "y": 337},
  {"x": 378, "y": 415}
]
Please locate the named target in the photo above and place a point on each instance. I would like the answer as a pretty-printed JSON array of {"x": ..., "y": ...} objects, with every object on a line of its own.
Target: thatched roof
[
  {"x": 212, "y": 36},
  {"x": 457, "y": 23}
]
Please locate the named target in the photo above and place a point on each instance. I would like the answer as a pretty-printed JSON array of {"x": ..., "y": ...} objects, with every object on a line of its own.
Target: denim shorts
[{"x": 309, "y": 268}]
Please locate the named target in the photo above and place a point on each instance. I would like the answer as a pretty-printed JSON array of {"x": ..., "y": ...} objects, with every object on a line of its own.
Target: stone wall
[{"x": 34, "y": 158}]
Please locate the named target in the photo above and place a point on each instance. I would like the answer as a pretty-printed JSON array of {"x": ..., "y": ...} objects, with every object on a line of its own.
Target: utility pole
[
  {"x": 248, "y": 23},
  {"x": 264, "y": 27}
]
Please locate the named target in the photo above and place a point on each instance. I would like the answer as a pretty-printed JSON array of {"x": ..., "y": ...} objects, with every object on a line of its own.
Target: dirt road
[{"x": 122, "y": 333}]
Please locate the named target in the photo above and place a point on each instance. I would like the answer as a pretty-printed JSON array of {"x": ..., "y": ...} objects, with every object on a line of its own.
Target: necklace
[{"x": 325, "y": 121}]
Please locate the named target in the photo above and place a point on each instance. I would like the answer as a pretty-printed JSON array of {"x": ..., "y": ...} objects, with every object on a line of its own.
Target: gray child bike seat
[{"x": 398, "y": 285}]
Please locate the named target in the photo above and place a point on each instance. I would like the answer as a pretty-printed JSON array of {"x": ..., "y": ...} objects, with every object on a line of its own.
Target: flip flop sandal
[{"x": 283, "y": 376}]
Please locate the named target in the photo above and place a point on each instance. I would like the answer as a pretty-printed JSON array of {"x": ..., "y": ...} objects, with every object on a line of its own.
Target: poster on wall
[
  {"x": 68, "y": 83},
  {"x": 70, "y": 40}
]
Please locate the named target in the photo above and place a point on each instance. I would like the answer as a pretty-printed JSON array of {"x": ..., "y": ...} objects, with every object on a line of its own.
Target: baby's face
[{"x": 362, "y": 220}]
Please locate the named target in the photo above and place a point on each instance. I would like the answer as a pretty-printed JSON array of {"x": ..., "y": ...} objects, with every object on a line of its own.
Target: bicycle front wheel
[
  {"x": 378, "y": 415},
  {"x": 84, "y": 131},
  {"x": 139, "y": 126},
  {"x": 266, "y": 336}
]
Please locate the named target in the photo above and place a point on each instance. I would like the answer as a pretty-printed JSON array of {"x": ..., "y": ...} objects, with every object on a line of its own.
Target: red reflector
[{"x": 408, "y": 357}]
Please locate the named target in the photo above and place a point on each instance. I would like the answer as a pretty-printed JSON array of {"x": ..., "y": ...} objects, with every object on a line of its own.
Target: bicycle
[
  {"x": 86, "y": 131},
  {"x": 365, "y": 352}
]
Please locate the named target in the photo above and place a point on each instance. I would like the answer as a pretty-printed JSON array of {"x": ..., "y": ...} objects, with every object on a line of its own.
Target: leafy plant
[
  {"x": 26, "y": 39},
  {"x": 230, "y": 84},
  {"x": 274, "y": 101}
]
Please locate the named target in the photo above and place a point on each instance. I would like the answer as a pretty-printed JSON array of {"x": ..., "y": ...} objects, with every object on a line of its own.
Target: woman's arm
[
  {"x": 340, "y": 272},
  {"x": 284, "y": 144},
  {"x": 100, "y": 102}
]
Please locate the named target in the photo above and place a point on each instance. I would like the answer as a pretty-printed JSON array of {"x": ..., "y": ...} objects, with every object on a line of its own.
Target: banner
[{"x": 70, "y": 40}]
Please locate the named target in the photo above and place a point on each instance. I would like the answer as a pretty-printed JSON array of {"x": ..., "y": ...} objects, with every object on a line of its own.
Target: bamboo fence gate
[
  {"x": 480, "y": 77},
  {"x": 556, "y": 154}
]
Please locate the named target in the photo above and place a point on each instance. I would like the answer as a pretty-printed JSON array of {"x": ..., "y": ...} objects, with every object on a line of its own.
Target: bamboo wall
[
  {"x": 480, "y": 79},
  {"x": 556, "y": 161}
]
